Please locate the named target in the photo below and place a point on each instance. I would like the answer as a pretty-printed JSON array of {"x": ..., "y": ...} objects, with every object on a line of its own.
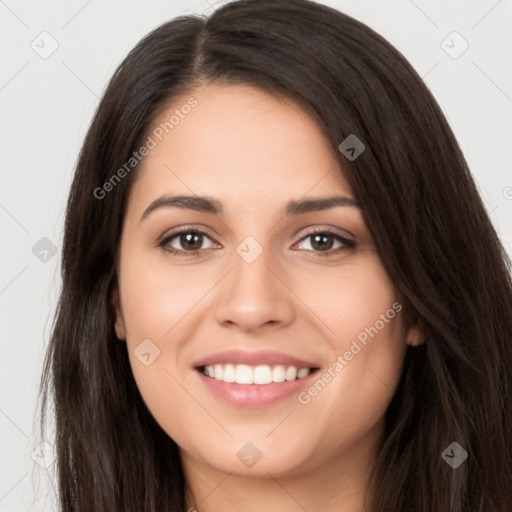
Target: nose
[{"x": 254, "y": 296}]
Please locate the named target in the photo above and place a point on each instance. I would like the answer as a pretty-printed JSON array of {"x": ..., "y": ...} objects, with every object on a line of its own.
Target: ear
[
  {"x": 119, "y": 321},
  {"x": 415, "y": 335},
  {"x": 416, "y": 329}
]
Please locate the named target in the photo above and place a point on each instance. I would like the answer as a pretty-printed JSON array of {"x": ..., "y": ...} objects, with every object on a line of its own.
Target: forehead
[{"x": 240, "y": 143}]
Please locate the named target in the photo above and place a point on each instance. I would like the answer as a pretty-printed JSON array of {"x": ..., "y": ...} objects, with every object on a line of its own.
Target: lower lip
[{"x": 255, "y": 395}]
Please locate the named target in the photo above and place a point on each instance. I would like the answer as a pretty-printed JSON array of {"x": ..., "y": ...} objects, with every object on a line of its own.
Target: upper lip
[{"x": 262, "y": 357}]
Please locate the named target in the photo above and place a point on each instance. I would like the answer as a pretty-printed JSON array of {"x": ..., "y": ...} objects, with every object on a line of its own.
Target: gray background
[{"x": 47, "y": 102}]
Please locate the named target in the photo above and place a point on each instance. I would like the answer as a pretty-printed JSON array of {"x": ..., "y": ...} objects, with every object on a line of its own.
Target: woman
[{"x": 281, "y": 288}]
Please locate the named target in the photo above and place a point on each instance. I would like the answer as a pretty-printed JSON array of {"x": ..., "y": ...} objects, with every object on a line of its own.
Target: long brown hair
[{"x": 430, "y": 227}]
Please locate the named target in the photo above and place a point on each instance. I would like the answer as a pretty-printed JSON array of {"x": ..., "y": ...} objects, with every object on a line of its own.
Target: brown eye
[
  {"x": 326, "y": 243},
  {"x": 185, "y": 242},
  {"x": 191, "y": 240},
  {"x": 322, "y": 242}
]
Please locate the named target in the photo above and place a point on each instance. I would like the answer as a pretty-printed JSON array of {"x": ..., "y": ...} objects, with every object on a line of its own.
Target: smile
[
  {"x": 254, "y": 378},
  {"x": 260, "y": 375}
]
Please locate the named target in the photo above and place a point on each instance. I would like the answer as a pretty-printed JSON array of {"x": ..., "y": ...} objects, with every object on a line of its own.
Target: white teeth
[
  {"x": 291, "y": 373},
  {"x": 243, "y": 374},
  {"x": 303, "y": 372},
  {"x": 229, "y": 373},
  {"x": 262, "y": 374},
  {"x": 278, "y": 374}
]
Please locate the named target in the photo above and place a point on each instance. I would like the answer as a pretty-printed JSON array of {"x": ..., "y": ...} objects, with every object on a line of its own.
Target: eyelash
[{"x": 348, "y": 244}]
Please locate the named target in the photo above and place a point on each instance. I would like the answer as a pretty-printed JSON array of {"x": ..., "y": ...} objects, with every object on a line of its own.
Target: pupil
[
  {"x": 188, "y": 240},
  {"x": 320, "y": 242}
]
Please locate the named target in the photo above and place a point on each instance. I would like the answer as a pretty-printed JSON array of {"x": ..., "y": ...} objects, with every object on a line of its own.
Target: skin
[{"x": 254, "y": 152}]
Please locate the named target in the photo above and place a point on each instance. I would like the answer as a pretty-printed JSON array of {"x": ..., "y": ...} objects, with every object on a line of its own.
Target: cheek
[
  {"x": 366, "y": 335},
  {"x": 350, "y": 299},
  {"x": 159, "y": 304},
  {"x": 156, "y": 298}
]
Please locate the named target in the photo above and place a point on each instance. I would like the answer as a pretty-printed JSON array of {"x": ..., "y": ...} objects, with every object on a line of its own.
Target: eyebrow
[{"x": 212, "y": 206}]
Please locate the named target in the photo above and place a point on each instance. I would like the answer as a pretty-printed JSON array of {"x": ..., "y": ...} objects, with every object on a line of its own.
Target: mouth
[{"x": 254, "y": 379}]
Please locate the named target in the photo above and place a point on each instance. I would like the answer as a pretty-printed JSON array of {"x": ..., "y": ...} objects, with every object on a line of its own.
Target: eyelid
[
  {"x": 197, "y": 228},
  {"x": 319, "y": 228}
]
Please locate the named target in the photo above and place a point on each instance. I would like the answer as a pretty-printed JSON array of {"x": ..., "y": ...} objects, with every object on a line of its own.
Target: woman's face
[{"x": 261, "y": 285}]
